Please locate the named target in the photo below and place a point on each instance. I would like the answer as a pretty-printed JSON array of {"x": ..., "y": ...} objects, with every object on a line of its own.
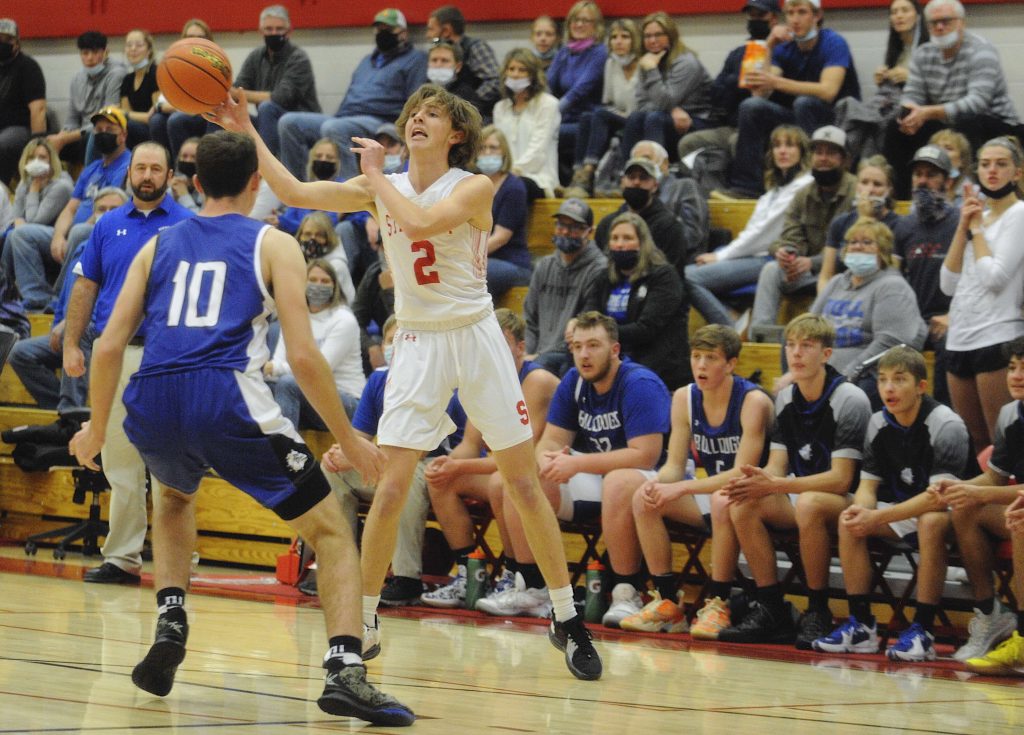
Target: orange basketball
[{"x": 194, "y": 75}]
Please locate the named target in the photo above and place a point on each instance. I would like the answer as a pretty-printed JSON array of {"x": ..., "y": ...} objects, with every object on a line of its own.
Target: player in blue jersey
[
  {"x": 434, "y": 221},
  {"x": 726, "y": 418},
  {"x": 203, "y": 291}
]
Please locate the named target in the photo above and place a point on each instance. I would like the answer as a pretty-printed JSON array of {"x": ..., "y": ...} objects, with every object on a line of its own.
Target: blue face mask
[
  {"x": 811, "y": 35},
  {"x": 489, "y": 164},
  {"x": 389, "y": 352},
  {"x": 861, "y": 264},
  {"x": 392, "y": 163},
  {"x": 95, "y": 71}
]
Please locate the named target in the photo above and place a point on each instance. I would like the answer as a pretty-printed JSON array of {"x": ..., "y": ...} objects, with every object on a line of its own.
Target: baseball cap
[
  {"x": 111, "y": 114},
  {"x": 768, "y": 6},
  {"x": 648, "y": 166},
  {"x": 391, "y": 17},
  {"x": 389, "y": 130},
  {"x": 576, "y": 209},
  {"x": 830, "y": 134},
  {"x": 934, "y": 155},
  {"x": 8, "y": 27}
]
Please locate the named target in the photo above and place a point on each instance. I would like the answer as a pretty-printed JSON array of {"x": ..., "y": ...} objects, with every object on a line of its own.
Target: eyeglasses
[
  {"x": 583, "y": 21},
  {"x": 936, "y": 22},
  {"x": 860, "y": 244},
  {"x": 652, "y": 36}
]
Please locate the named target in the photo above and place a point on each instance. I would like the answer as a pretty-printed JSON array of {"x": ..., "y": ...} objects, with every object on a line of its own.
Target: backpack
[{"x": 709, "y": 169}]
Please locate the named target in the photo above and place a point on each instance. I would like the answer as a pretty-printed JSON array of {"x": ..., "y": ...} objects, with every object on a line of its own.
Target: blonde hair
[
  {"x": 312, "y": 152},
  {"x": 790, "y": 134},
  {"x": 650, "y": 254},
  {"x": 626, "y": 25},
  {"x": 1012, "y": 145},
  {"x": 148, "y": 38},
  {"x": 464, "y": 118},
  {"x": 877, "y": 231},
  {"x": 676, "y": 47},
  {"x": 198, "y": 23},
  {"x": 336, "y": 296},
  {"x": 538, "y": 81},
  {"x": 578, "y": 8},
  {"x": 811, "y": 326},
  {"x": 506, "y": 151},
  {"x": 512, "y": 323},
  {"x": 713, "y": 337},
  {"x": 30, "y": 148}
]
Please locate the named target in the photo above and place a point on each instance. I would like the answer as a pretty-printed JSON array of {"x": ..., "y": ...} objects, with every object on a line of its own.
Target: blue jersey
[
  {"x": 206, "y": 302},
  {"x": 717, "y": 445},
  {"x": 528, "y": 367},
  {"x": 638, "y": 403}
]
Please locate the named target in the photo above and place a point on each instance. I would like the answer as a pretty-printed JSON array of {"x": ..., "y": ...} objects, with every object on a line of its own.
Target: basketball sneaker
[
  {"x": 711, "y": 619},
  {"x": 450, "y": 595},
  {"x": 626, "y": 601},
  {"x": 850, "y": 637},
  {"x": 400, "y": 591},
  {"x": 814, "y": 624},
  {"x": 519, "y": 601},
  {"x": 505, "y": 581},
  {"x": 155, "y": 673},
  {"x": 1007, "y": 659},
  {"x": 761, "y": 625},
  {"x": 986, "y": 631},
  {"x": 574, "y": 639},
  {"x": 371, "y": 639},
  {"x": 348, "y": 694},
  {"x": 658, "y": 616},
  {"x": 914, "y": 644}
]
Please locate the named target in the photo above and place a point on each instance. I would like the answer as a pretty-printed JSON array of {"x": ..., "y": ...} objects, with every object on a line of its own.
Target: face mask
[
  {"x": 6, "y": 51},
  {"x": 636, "y": 198},
  {"x": 139, "y": 66},
  {"x": 827, "y": 177},
  {"x": 927, "y": 204},
  {"x": 389, "y": 352},
  {"x": 861, "y": 264},
  {"x": 545, "y": 55},
  {"x": 811, "y": 35},
  {"x": 758, "y": 29},
  {"x": 324, "y": 170},
  {"x": 440, "y": 75},
  {"x": 36, "y": 168},
  {"x": 623, "y": 60},
  {"x": 392, "y": 163},
  {"x": 517, "y": 85},
  {"x": 625, "y": 260},
  {"x": 876, "y": 204},
  {"x": 999, "y": 193},
  {"x": 319, "y": 294},
  {"x": 106, "y": 143},
  {"x": 488, "y": 164},
  {"x": 386, "y": 40},
  {"x": 186, "y": 169},
  {"x": 95, "y": 71},
  {"x": 275, "y": 42},
  {"x": 313, "y": 249},
  {"x": 948, "y": 41},
  {"x": 567, "y": 244}
]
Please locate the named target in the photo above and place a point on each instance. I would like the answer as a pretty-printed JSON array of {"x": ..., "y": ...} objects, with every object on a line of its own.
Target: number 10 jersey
[{"x": 440, "y": 283}]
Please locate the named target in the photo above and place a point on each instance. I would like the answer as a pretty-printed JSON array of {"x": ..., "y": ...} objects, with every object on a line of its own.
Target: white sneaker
[
  {"x": 371, "y": 639},
  {"x": 986, "y": 631},
  {"x": 626, "y": 601},
  {"x": 518, "y": 601},
  {"x": 506, "y": 581},
  {"x": 451, "y": 595}
]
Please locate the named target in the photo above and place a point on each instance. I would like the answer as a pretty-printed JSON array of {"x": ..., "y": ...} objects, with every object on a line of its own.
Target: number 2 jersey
[
  {"x": 440, "y": 283},
  {"x": 717, "y": 445},
  {"x": 206, "y": 302}
]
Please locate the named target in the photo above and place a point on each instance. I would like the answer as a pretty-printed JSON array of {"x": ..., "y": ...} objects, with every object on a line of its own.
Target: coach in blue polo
[{"x": 112, "y": 246}]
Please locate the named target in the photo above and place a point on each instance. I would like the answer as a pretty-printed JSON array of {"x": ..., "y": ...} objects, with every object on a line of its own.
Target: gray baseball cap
[
  {"x": 577, "y": 210},
  {"x": 830, "y": 134},
  {"x": 934, "y": 155},
  {"x": 643, "y": 163},
  {"x": 388, "y": 129}
]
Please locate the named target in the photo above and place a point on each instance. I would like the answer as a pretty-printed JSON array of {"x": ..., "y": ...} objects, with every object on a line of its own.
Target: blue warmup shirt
[
  {"x": 115, "y": 241},
  {"x": 830, "y": 50},
  {"x": 717, "y": 445},
  {"x": 97, "y": 176}
]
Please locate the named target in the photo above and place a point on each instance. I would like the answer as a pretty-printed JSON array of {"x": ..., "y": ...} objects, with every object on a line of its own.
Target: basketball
[{"x": 194, "y": 75}]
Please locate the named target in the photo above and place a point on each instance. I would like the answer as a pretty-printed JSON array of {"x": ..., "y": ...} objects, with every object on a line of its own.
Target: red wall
[{"x": 68, "y": 18}]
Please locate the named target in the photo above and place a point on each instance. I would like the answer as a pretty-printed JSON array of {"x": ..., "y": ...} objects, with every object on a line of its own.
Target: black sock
[
  {"x": 532, "y": 576},
  {"x": 986, "y": 606},
  {"x": 721, "y": 590},
  {"x": 924, "y": 615},
  {"x": 1020, "y": 622},
  {"x": 667, "y": 585},
  {"x": 637, "y": 580},
  {"x": 860, "y": 608},
  {"x": 817, "y": 600},
  {"x": 772, "y": 598},
  {"x": 462, "y": 555},
  {"x": 344, "y": 650},
  {"x": 170, "y": 602}
]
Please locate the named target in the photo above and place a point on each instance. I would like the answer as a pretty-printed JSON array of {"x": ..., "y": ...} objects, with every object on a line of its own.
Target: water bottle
[
  {"x": 594, "y": 607},
  {"x": 476, "y": 578}
]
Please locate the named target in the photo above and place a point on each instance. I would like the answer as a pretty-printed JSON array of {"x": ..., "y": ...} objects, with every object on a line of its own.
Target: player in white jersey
[{"x": 434, "y": 221}]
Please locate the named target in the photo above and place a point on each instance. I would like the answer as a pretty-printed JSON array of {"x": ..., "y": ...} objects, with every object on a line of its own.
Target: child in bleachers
[{"x": 544, "y": 39}]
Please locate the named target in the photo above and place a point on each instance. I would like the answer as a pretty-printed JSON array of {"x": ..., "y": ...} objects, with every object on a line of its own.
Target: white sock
[
  {"x": 562, "y": 601},
  {"x": 370, "y": 603}
]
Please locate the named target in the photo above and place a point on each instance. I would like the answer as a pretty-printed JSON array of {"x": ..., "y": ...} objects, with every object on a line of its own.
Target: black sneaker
[
  {"x": 155, "y": 673},
  {"x": 580, "y": 655},
  {"x": 761, "y": 625},
  {"x": 308, "y": 584},
  {"x": 814, "y": 624},
  {"x": 348, "y": 694},
  {"x": 401, "y": 591}
]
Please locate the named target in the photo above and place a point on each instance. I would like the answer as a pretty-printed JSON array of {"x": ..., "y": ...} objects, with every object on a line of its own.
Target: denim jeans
[
  {"x": 595, "y": 133},
  {"x": 771, "y": 284},
  {"x": 36, "y": 364},
  {"x": 298, "y": 132},
  {"x": 296, "y": 407},
  {"x": 503, "y": 275},
  {"x": 705, "y": 283},
  {"x": 29, "y": 247},
  {"x": 656, "y": 125},
  {"x": 268, "y": 114}
]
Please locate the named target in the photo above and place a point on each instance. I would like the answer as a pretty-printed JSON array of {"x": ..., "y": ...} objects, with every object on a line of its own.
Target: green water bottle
[
  {"x": 476, "y": 578},
  {"x": 594, "y": 606}
]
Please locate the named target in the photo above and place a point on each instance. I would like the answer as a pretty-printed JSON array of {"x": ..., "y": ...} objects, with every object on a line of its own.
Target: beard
[{"x": 151, "y": 196}]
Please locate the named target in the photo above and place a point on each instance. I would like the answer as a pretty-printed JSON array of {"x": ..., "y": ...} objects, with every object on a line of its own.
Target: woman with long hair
[{"x": 139, "y": 91}]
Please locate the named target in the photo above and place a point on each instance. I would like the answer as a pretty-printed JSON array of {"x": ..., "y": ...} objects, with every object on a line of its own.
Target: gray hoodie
[{"x": 556, "y": 294}]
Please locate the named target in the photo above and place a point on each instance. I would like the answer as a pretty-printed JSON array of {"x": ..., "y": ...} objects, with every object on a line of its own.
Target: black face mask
[
  {"x": 106, "y": 143},
  {"x": 758, "y": 29},
  {"x": 999, "y": 193},
  {"x": 276, "y": 42},
  {"x": 324, "y": 170},
  {"x": 187, "y": 169},
  {"x": 6, "y": 51},
  {"x": 386, "y": 40},
  {"x": 827, "y": 177},
  {"x": 927, "y": 204},
  {"x": 625, "y": 260},
  {"x": 567, "y": 244},
  {"x": 636, "y": 198},
  {"x": 312, "y": 249}
]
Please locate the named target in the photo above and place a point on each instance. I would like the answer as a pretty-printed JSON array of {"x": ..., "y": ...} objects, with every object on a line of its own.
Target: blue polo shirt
[
  {"x": 830, "y": 50},
  {"x": 115, "y": 241},
  {"x": 96, "y": 176}
]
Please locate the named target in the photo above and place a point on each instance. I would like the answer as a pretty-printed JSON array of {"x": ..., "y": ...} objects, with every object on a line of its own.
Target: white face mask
[
  {"x": 517, "y": 85},
  {"x": 36, "y": 168},
  {"x": 143, "y": 64},
  {"x": 440, "y": 75},
  {"x": 623, "y": 60},
  {"x": 392, "y": 163},
  {"x": 947, "y": 41}
]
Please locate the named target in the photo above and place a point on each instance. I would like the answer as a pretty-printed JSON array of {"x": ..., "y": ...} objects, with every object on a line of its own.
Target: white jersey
[{"x": 440, "y": 283}]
